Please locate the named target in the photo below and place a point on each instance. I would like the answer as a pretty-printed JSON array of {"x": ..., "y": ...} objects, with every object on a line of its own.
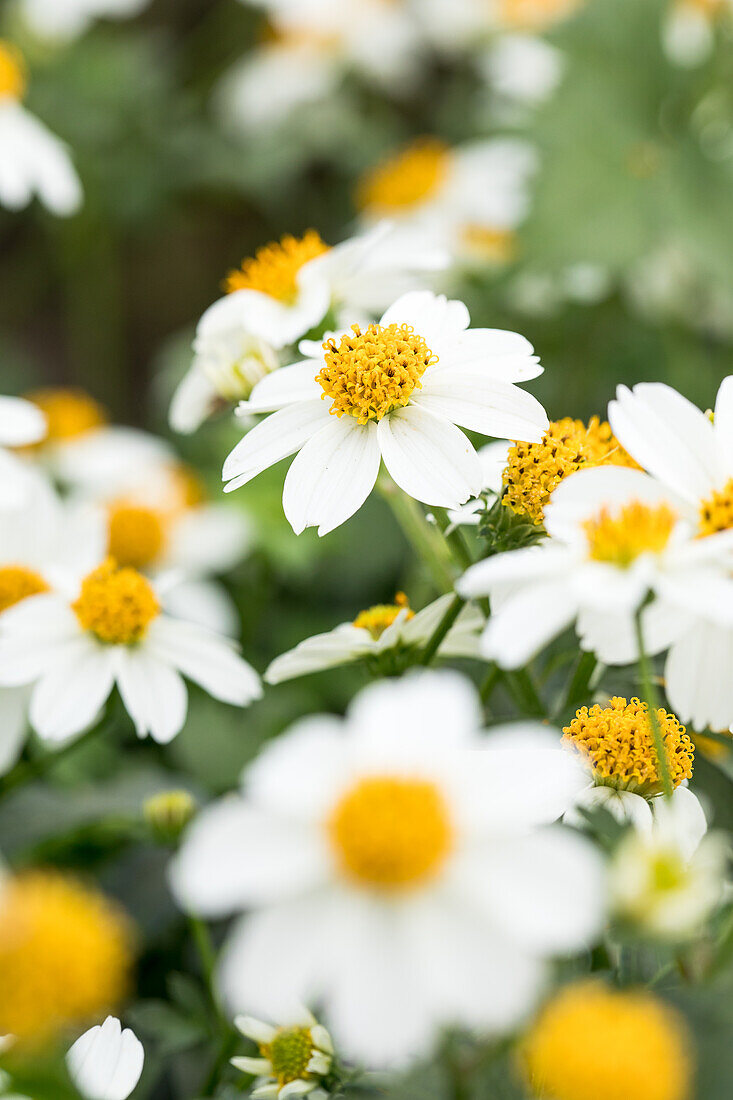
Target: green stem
[
  {"x": 580, "y": 681},
  {"x": 454, "y": 538},
  {"x": 29, "y": 770},
  {"x": 490, "y": 681},
  {"x": 651, "y": 698},
  {"x": 523, "y": 691},
  {"x": 425, "y": 541},
  {"x": 438, "y": 636}
]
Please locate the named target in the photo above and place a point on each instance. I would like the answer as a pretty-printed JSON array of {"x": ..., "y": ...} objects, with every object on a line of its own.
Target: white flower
[
  {"x": 21, "y": 423},
  {"x": 398, "y": 390},
  {"x": 67, "y": 19},
  {"x": 110, "y": 630},
  {"x": 615, "y": 535},
  {"x": 294, "y": 1057},
  {"x": 105, "y": 1062},
  {"x": 397, "y": 869},
  {"x": 522, "y": 69},
  {"x": 668, "y": 878},
  {"x": 380, "y": 635},
  {"x": 32, "y": 160},
  {"x": 467, "y": 24},
  {"x": 688, "y": 31}
]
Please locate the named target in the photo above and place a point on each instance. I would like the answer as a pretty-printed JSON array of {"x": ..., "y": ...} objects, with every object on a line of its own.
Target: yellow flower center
[
  {"x": 274, "y": 268},
  {"x": 188, "y": 488},
  {"x": 377, "y": 619},
  {"x": 716, "y": 513},
  {"x": 620, "y": 537},
  {"x": 534, "y": 470},
  {"x": 406, "y": 179},
  {"x": 534, "y": 15},
  {"x": 389, "y": 833},
  {"x": 137, "y": 535},
  {"x": 368, "y": 374},
  {"x": 594, "y": 1043},
  {"x": 492, "y": 246},
  {"x": 18, "y": 583},
  {"x": 69, "y": 413},
  {"x": 618, "y": 744},
  {"x": 116, "y": 604},
  {"x": 65, "y": 954},
  {"x": 289, "y": 1053},
  {"x": 13, "y": 77}
]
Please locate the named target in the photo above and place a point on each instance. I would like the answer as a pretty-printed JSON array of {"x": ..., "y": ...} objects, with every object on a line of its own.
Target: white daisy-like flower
[
  {"x": 400, "y": 868},
  {"x": 32, "y": 160},
  {"x": 105, "y": 1063},
  {"x": 75, "y": 646},
  {"x": 616, "y": 534},
  {"x": 689, "y": 28},
  {"x": 68, "y": 19},
  {"x": 294, "y": 1058},
  {"x": 522, "y": 69},
  {"x": 394, "y": 391},
  {"x": 385, "y": 637}
]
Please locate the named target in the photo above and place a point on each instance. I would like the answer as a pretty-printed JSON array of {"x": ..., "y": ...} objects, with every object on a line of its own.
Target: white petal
[
  {"x": 531, "y": 564},
  {"x": 69, "y": 696},
  {"x": 625, "y": 806},
  {"x": 439, "y": 321},
  {"x": 21, "y": 422},
  {"x": 300, "y": 773},
  {"x": 613, "y": 636},
  {"x": 206, "y": 603},
  {"x": 105, "y": 1063},
  {"x": 279, "y": 435},
  {"x": 332, "y": 476},
  {"x": 724, "y": 426},
  {"x": 431, "y": 459},
  {"x": 285, "y": 386},
  {"x": 194, "y": 399},
  {"x": 254, "y": 1066},
  {"x": 697, "y": 676},
  {"x": 154, "y": 694},
  {"x": 212, "y": 538},
  {"x": 681, "y": 820},
  {"x": 482, "y": 404},
  {"x": 205, "y": 658},
  {"x": 527, "y": 621},
  {"x": 322, "y": 651}
]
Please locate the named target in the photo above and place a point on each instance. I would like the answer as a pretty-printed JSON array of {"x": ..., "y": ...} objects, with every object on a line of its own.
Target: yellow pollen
[
  {"x": 65, "y": 955},
  {"x": 493, "y": 246},
  {"x": 18, "y": 583},
  {"x": 534, "y": 470},
  {"x": 405, "y": 179},
  {"x": 535, "y": 15},
  {"x": 389, "y": 833},
  {"x": 274, "y": 268},
  {"x": 368, "y": 374},
  {"x": 289, "y": 1053},
  {"x": 618, "y": 744},
  {"x": 137, "y": 535},
  {"x": 595, "y": 1043},
  {"x": 13, "y": 77},
  {"x": 716, "y": 514},
  {"x": 376, "y": 619},
  {"x": 620, "y": 537},
  {"x": 69, "y": 413},
  {"x": 116, "y": 604}
]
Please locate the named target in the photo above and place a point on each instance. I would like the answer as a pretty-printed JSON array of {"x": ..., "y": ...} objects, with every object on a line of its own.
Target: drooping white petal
[
  {"x": 154, "y": 694},
  {"x": 70, "y": 694},
  {"x": 345, "y": 643},
  {"x": 527, "y": 621},
  {"x": 105, "y": 1063},
  {"x": 279, "y": 435},
  {"x": 205, "y": 658},
  {"x": 431, "y": 459},
  {"x": 482, "y": 404}
]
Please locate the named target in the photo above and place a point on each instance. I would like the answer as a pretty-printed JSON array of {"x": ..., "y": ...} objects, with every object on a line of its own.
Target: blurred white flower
[
  {"x": 688, "y": 31},
  {"x": 522, "y": 69},
  {"x": 32, "y": 160},
  {"x": 67, "y": 19},
  {"x": 75, "y": 646},
  {"x": 294, "y": 1057},
  {"x": 381, "y": 635},
  {"x": 468, "y": 24},
  {"x": 394, "y": 391},
  {"x": 105, "y": 1063}
]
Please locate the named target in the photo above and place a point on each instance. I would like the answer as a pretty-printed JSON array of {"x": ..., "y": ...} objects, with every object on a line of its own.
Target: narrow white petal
[
  {"x": 69, "y": 696},
  {"x": 322, "y": 651},
  {"x": 205, "y": 658},
  {"x": 428, "y": 457},
  {"x": 724, "y": 427},
  {"x": 285, "y": 386},
  {"x": 527, "y": 621},
  {"x": 279, "y": 435},
  {"x": 154, "y": 694},
  {"x": 483, "y": 404},
  {"x": 105, "y": 1063}
]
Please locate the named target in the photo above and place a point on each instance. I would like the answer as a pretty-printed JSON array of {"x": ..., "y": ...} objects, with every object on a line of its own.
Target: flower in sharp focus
[
  {"x": 595, "y": 1043},
  {"x": 110, "y": 630},
  {"x": 382, "y": 636},
  {"x": 403, "y": 846},
  {"x": 294, "y": 1058},
  {"x": 32, "y": 160},
  {"x": 105, "y": 1063},
  {"x": 394, "y": 391}
]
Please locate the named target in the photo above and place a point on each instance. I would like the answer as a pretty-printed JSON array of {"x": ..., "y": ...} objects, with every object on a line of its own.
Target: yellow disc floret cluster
[
  {"x": 618, "y": 744},
  {"x": 65, "y": 954},
  {"x": 376, "y": 619},
  {"x": 534, "y": 470},
  {"x": 274, "y": 268},
  {"x": 367, "y": 374},
  {"x": 116, "y": 604},
  {"x": 137, "y": 535},
  {"x": 18, "y": 583},
  {"x": 69, "y": 413},
  {"x": 390, "y": 833},
  {"x": 289, "y": 1053},
  {"x": 13, "y": 77},
  {"x": 595, "y": 1043},
  {"x": 619, "y": 537},
  {"x": 716, "y": 513},
  {"x": 406, "y": 179}
]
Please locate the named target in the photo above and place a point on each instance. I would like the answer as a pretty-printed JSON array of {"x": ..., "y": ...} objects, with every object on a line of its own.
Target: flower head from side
[{"x": 294, "y": 1058}]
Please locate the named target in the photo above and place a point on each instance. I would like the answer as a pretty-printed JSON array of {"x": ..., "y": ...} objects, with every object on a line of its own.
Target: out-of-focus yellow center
[
  {"x": 535, "y": 15},
  {"x": 376, "y": 619},
  {"x": 619, "y": 537},
  {"x": 618, "y": 744},
  {"x": 369, "y": 373},
  {"x": 405, "y": 179},
  {"x": 391, "y": 833},
  {"x": 116, "y": 604},
  {"x": 595, "y": 1043},
  {"x": 137, "y": 535},
  {"x": 289, "y": 1053},
  {"x": 534, "y": 470},
  {"x": 18, "y": 583},
  {"x": 69, "y": 413},
  {"x": 716, "y": 513},
  {"x": 274, "y": 268},
  {"x": 710, "y": 9},
  {"x": 65, "y": 955},
  {"x": 13, "y": 76},
  {"x": 487, "y": 245}
]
